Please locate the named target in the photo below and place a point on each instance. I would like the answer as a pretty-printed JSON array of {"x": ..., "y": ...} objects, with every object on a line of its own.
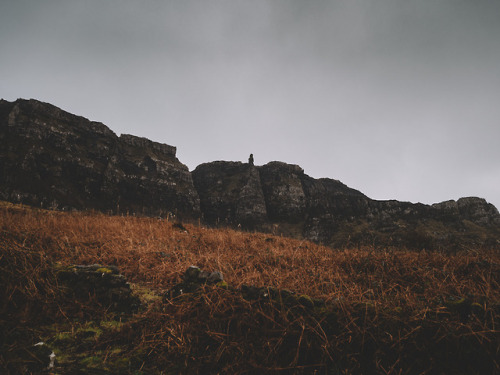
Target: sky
[{"x": 397, "y": 99}]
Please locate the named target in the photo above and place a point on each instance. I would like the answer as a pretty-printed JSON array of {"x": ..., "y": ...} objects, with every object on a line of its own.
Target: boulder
[
  {"x": 38, "y": 358},
  {"x": 192, "y": 279},
  {"x": 104, "y": 283},
  {"x": 230, "y": 194}
]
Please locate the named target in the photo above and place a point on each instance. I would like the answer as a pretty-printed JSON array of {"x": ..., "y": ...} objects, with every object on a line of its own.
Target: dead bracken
[{"x": 250, "y": 305}]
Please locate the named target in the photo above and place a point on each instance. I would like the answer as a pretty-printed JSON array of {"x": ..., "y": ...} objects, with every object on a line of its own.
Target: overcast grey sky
[{"x": 397, "y": 99}]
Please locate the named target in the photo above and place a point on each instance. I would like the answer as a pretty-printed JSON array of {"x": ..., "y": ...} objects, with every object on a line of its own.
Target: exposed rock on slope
[
  {"x": 283, "y": 192},
  {"x": 474, "y": 209},
  {"x": 104, "y": 283},
  {"x": 230, "y": 193},
  {"x": 327, "y": 211},
  {"x": 51, "y": 158}
]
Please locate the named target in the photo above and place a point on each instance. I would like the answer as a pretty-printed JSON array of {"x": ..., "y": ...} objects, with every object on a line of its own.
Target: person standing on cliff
[{"x": 250, "y": 159}]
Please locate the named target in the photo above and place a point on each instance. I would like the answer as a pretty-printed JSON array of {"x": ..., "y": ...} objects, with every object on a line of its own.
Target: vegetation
[{"x": 349, "y": 311}]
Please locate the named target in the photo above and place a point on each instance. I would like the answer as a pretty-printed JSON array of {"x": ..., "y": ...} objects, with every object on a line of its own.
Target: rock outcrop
[
  {"x": 474, "y": 209},
  {"x": 230, "y": 194},
  {"x": 284, "y": 200},
  {"x": 103, "y": 283},
  {"x": 283, "y": 192},
  {"x": 53, "y": 159}
]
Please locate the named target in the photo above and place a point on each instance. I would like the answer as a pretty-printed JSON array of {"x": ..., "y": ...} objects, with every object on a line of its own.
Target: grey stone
[
  {"x": 39, "y": 358},
  {"x": 215, "y": 277},
  {"x": 109, "y": 287},
  {"x": 191, "y": 274},
  {"x": 203, "y": 276}
]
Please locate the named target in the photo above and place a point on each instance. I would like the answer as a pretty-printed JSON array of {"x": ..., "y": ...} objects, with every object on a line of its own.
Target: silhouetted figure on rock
[{"x": 250, "y": 159}]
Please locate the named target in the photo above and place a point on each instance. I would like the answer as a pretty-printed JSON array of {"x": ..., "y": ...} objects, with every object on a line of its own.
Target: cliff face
[
  {"x": 280, "y": 198},
  {"x": 230, "y": 194},
  {"x": 283, "y": 192},
  {"x": 54, "y": 159}
]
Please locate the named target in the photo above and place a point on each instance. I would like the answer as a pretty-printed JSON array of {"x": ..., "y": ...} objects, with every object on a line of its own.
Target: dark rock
[
  {"x": 305, "y": 301},
  {"x": 104, "y": 283},
  {"x": 39, "y": 358},
  {"x": 230, "y": 193},
  {"x": 478, "y": 211},
  {"x": 281, "y": 296},
  {"x": 327, "y": 211},
  {"x": 283, "y": 192},
  {"x": 215, "y": 277},
  {"x": 53, "y": 159},
  {"x": 330, "y": 203},
  {"x": 191, "y": 274},
  {"x": 203, "y": 276},
  {"x": 285, "y": 293},
  {"x": 250, "y": 292},
  {"x": 192, "y": 279},
  {"x": 179, "y": 226}
]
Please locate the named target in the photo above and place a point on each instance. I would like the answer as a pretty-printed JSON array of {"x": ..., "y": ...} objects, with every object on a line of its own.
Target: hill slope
[
  {"x": 287, "y": 306},
  {"x": 51, "y": 158}
]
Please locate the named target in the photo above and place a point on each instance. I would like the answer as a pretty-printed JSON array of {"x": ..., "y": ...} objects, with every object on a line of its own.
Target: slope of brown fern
[{"x": 384, "y": 312}]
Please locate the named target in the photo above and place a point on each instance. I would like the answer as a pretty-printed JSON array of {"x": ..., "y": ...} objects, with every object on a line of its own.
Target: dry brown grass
[{"x": 392, "y": 311}]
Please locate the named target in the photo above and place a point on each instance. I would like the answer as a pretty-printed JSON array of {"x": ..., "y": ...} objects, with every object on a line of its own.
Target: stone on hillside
[
  {"x": 215, "y": 277},
  {"x": 105, "y": 283},
  {"x": 39, "y": 358},
  {"x": 192, "y": 279},
  {"x": 191, "y": 274}
]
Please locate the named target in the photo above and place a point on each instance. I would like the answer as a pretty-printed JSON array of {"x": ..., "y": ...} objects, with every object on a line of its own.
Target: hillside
[
  {"x": 50, "y": 158},
  {"x": 285, "y": 306}
]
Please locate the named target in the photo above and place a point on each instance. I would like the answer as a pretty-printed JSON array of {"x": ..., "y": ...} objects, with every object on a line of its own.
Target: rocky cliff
[
  {"x": 53, "y": 159},
  {"x": 281, "y": 198},
  {"x": 230, "y": 194},
  {"x": 50, "y": 158}
]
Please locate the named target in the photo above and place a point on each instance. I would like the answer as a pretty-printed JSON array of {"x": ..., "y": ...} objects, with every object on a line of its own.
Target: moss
[
  {"x": 114, "y": 325},
  {"x": 92, "y": 361},
  {"x": 58, "y": 266},
  {"x": 88, "y": 333},
  {"x": 223, "y": 284},
  {"x": 63, "y": 338},
  {"x": 104, "y": 270},
  {"x": 305, "y": 300},
  {"x": 146, "y": 295},
  {"x": 63, "y": 356},
  {"x": 461, "y": 305},
  {"x": 365, "y": 308},
  {"x": 456, "y": 303},
  {"x": 477, "y": 308}
]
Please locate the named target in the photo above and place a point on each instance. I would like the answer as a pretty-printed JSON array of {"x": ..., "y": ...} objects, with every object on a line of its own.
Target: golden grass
[{"x": 382, "y": 306}]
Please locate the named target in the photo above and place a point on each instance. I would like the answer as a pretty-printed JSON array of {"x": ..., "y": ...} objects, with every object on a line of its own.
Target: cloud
[{"x": 396, "y": 99}]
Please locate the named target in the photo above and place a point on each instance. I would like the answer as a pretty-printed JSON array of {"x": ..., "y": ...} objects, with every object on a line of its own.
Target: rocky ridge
[
  {"x": 327, "y": 211},
  {"x": 53, "y": 159}
]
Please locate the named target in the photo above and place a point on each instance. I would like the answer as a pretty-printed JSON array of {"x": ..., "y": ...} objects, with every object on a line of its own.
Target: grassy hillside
[{"x": 327, "y": 311}]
